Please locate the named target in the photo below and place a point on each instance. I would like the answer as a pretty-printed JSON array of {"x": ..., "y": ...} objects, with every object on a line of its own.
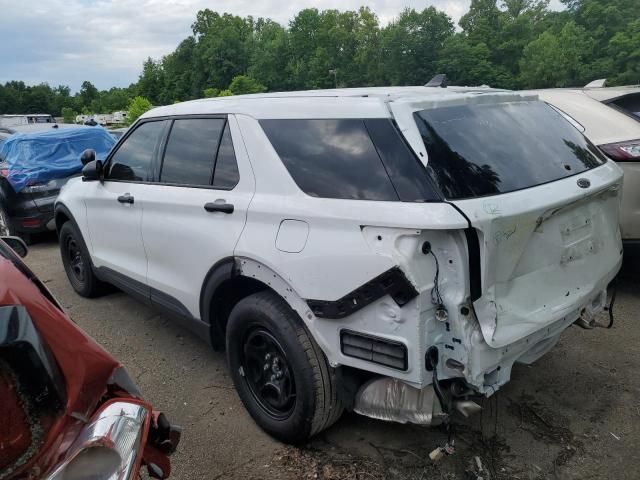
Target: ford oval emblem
[{"x": 584, "y": 183}]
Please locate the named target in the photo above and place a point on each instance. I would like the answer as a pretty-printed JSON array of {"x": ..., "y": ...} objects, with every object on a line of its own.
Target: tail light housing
[
  {"x": 111, "y": 446},
  {"x": 623, "y": 151}
]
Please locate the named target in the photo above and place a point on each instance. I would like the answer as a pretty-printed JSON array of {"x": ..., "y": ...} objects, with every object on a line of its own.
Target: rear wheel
[
  {"x": 77, "y": 263},
  {"x": 282, "y": 376}
]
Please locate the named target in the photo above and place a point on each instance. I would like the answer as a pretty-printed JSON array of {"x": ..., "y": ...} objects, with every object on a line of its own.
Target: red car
[{"x": 68, "y": 409}]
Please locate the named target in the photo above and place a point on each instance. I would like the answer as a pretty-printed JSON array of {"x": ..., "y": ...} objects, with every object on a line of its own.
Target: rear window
[
  {"x": 331, "y": 158},
  {"x": 478, "y": 150},
  {"x": 629, "y": 103},
  {"x": 358, "y": 159}
]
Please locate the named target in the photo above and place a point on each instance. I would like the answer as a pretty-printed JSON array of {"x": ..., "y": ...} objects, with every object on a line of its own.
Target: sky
[{"x": 64, "y": 42}]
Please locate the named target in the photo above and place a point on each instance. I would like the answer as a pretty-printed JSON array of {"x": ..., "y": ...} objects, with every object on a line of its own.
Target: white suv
[{"x": 389, "y": 250}]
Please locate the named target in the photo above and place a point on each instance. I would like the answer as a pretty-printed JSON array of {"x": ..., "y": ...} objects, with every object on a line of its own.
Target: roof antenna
[
  {"x": 440, "y": 80},
  {"x": 600, "y": 83}
]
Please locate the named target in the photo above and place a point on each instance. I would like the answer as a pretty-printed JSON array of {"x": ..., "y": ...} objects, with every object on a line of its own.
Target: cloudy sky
[{"x": 106, "y": 41}]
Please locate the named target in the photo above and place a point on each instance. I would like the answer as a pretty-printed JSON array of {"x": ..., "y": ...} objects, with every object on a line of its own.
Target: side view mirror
[
  {"x": 89, "y": 155},
  {"x": 92, "y": 171},
  {"x": 17, "y": 245}
]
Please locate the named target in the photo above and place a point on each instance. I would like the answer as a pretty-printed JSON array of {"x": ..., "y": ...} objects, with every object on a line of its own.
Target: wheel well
[
  {"x": 61, "y": 219},
  {"x": 227, "y": 296}
]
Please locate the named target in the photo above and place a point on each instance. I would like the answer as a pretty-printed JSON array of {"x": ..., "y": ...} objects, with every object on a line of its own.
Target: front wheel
[
  {"x": 280, "y": 373},
  {"x": 77, "y": 263}
]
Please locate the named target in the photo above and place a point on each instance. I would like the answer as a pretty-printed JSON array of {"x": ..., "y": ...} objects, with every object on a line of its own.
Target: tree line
[{"x": 515, "y": 44}]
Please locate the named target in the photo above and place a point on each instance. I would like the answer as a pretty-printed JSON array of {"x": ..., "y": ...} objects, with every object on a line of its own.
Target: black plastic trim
[
  {"x": 156, "y": 298},
  {"x": 475, "y": 276},
  {"x": 374, "y": 349},
  {"x": 223, "y": 270},
  {"x": 133, "y": 287},
  {"x": 393, "y": 282}
]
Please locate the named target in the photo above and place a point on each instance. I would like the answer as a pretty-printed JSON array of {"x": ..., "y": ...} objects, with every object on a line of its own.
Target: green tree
[
  {"x": 557, "y": 60},
  {"x": 88, "y": 93},
  {"x": 151, "y": 81},
  {"x": 411, "y": 45},
  {"x": 137, "y": 107},
  {"x": 69, "y": 115},
  {"x": 624, "y": 52},
  {"x": 243, "y": 84},
  {"x": 210, "y": 92}
]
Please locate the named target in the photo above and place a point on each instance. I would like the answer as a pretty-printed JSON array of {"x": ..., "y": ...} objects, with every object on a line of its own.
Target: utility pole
[{"x": 334, "y": 72}]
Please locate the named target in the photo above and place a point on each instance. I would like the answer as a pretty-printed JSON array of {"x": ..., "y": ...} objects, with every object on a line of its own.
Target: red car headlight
[
  {"x": 110, "y": 447},
  {"x": 623, "y": 151}
]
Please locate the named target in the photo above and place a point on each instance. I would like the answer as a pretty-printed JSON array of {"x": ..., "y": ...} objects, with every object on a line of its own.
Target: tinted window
[
  {"x": 477, "y": 150},
  {"x": 629, "y": 103},
  {"x": 331, "y": 158},
  {"x": 132, "y": 161},
  {"x": 408, "y": 175},
  {"x": 191, "y": 151},
  {"x": 226, "y": 176}
]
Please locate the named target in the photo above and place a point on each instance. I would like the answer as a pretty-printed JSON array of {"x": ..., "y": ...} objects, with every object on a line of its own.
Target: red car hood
[{"x": 84, "y": 374}]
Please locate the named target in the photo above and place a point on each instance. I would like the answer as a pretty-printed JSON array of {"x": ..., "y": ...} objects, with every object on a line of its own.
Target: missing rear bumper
[{"x": 393, "y": 400}]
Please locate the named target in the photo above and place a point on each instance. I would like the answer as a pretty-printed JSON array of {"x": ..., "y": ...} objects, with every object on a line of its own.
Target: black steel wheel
[
  {"x": 77, "y": 262},
  {"x": 280, "y": 373},
  {"x": 268, "y": 373}
]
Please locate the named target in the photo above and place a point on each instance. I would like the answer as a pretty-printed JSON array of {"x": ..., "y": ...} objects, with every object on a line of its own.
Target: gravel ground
[{"x": 573, "y": 415}]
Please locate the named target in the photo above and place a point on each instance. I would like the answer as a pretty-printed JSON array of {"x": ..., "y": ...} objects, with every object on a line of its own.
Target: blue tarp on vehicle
[{"x": 34, "y": 158}]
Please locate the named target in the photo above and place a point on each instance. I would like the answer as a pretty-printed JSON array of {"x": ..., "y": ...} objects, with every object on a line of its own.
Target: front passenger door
[{"x": 114, "y": 207}]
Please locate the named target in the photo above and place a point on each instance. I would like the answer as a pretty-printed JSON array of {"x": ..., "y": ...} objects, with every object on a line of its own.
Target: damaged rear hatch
[{"x": 542, "y": 201}]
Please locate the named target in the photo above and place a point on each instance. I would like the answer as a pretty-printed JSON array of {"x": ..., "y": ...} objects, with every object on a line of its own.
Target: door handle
[
  {"x": 126, "y": 198},
  {"x": 219, "y": 206}
]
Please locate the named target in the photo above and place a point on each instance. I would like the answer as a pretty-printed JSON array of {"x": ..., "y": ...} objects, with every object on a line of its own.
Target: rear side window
[
  {"x": 331, "y": 158},
  {"x": 629, "y": 103},
  {"x": 477, "y": 150},
  {"x": 132, "y": 161},
  {"x": 191, "y": 151}
]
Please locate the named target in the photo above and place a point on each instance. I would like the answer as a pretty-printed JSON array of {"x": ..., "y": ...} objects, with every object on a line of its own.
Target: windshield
[{"x": 478, "y": 150}]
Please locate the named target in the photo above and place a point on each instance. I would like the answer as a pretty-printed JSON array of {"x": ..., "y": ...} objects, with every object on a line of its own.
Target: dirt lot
[{"x": 573, "y": 415}]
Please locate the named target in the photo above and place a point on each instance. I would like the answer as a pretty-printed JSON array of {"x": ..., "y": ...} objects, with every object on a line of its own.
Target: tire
[
  {"x": 263, "y": 324},
  {"x": 5, "y": 224},
  {"x": 7, "y": 230},
  {"x": 77, "y": 263}
]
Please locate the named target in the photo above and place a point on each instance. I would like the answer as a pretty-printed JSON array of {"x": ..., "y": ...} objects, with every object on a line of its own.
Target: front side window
[
  {"x": 478, "y": 150},
  {"x": 331, "y": 158},
  {"x": 191, "y": 151},
  {"x": 132, "y": 161}
]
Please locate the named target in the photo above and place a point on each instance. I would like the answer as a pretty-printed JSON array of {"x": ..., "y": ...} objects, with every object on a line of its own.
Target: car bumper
[{"x": 31, "y": 215}]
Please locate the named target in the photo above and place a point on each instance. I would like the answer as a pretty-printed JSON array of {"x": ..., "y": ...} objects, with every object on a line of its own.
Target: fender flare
[
  {"x": 231, "y": 267},
  {"x": 62, "y": 208}
]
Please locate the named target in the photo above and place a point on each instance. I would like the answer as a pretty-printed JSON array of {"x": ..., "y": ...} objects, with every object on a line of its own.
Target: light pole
[{"x": 334, "y": 72}]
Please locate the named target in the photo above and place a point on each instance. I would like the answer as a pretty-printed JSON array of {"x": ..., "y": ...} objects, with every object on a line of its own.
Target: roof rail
[
  {"x": 596, "y": 83},
  {"x": 440, "y": 80}
]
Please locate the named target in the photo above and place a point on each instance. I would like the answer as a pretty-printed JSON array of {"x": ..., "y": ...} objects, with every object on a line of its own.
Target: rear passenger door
[{"x": 195, "y": 209}]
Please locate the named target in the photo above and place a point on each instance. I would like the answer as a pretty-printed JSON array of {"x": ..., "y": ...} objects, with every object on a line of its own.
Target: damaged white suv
[{"x": 388, "y": 250}]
